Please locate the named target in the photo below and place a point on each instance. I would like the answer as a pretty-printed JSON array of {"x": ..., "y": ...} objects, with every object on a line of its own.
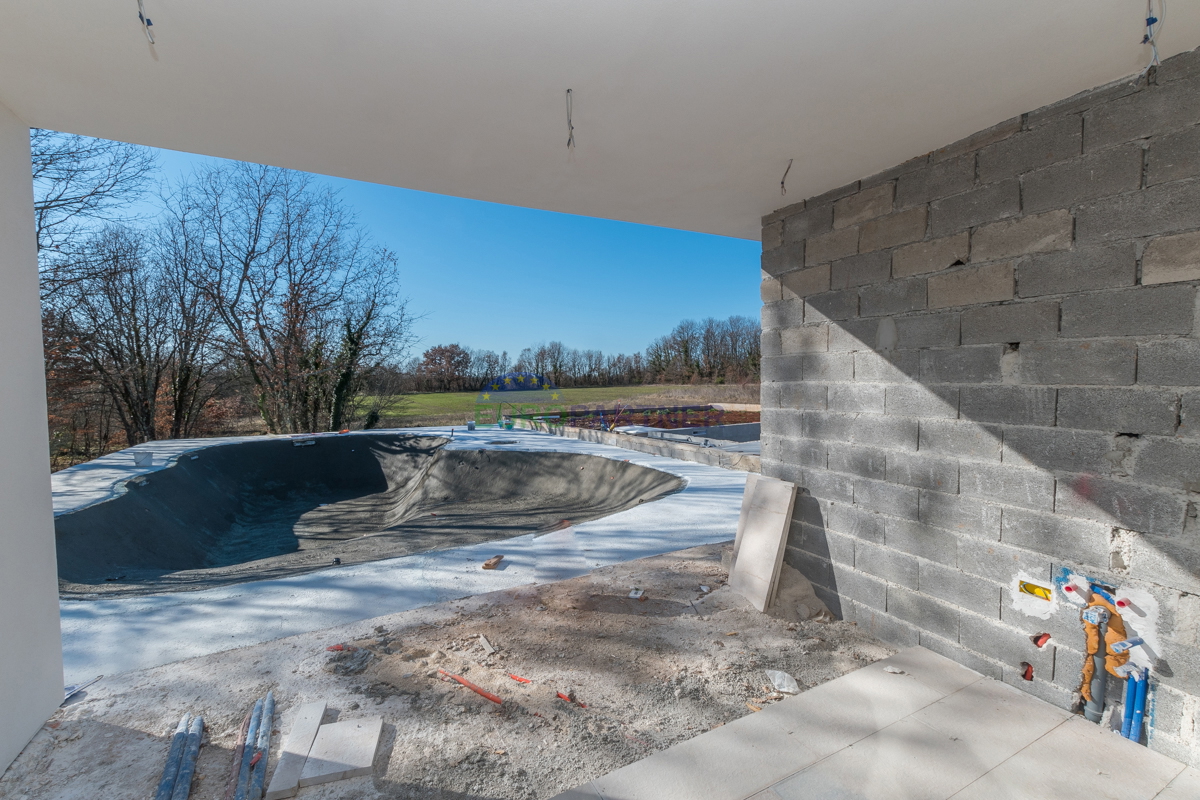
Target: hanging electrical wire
[
  {"x": 570, "y": 126},
  {"x": 1154, "y": 27},
  {"x": 146, "y": 23},
  {"x": 783, "y": 180}
]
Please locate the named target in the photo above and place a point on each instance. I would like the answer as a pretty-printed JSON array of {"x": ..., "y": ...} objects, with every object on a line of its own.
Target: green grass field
[{"x": 435, "y": 404}]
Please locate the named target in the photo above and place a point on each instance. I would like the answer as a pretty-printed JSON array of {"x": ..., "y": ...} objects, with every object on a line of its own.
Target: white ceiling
[{"x": 686, "y": 112}]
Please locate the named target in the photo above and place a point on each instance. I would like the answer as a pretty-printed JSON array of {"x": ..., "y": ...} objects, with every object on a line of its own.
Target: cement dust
[{"x": 645, "y": 674}]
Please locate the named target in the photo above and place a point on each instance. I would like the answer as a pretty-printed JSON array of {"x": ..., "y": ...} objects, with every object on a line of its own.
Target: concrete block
[
  {"x": 1173, "y": 157},
  {"x": 769, "y": 343},
  {"x": 1169, "y": 259},
  {"x": 1009, "y": 405},
  {"x": 1079, "y": 270},
  {"x": 864, "y": 589},
  {"x": 975, "y": 207},
  {"x": 1149, "y": 111},
  {"x": 931, "y": 256},
  {"x": 924, "y": 472},
  {"x": 772, "y": 235},
  {"x": 935, "y": 181},
  {"x": 860, "y": 270},
  {"x": 977, "y": 140},
  {"x": 895, "y": 433},
  {"x": 781, "y": 422},
  {"x": 811, "y": 510},
  {"x": 1058, "y": 450},
  {"x": 805, "y": 339},
  {"x": 835, "y": 194},
  {"x": 1130, "y": 312},
  {"x": 959, "y": 514},
  {"x": 780, "y": 214},
  {"x": 891, "y": 367},
  {"x": 1119, "y": 410},
  {"x": 999, "y": 562},
  {"x": 1057, "y": 140},
  {"x": 894, "y": 229},
  {"x": 784, "y": 314},
  {"x": 978, "y": 364},
  {"x": 1019, "y": 322},
  {"x": 1090, "y": 363},
  {"x": 856, "y": 397},
  {"x": 927, "y": 330},
  {"x": 1041, "y": 233},
  {"x": 831, "y": 306},
  {"x": 923, "y": 611},
  {"x": 285, "y": 781},
  {"x": 958, "y": 588},
  {"x": 823, "y": 426},
  {"x": 828, "y": 367},
  {"x": 803, "y": 452},
  {"x": 816, "y": 569},
  {"x": 1127, "y": 505},
  {"x": 883, "y": 626},
  {"x": 1076, "y": 540},
  {"x": 1008, "y": 645},
  {"x": 886, "y": 498},
  {"x": 972, "y": 285},
  {"x": 1168, "y": 462},
  {"x": 866, "y": 462},
  {"x": 922, "y": 401},
  {"x": 895, "y": 297},
  {"x": 866, "y": 204},
  {"x": 788, "y": 257},
  {"x": 960, "y": 654},
  {"x": 769, "y": 290},
  {"x": 831, "y": 246},
  {"x": 781, "y": 368},
  {"x": 1109, "y": 172},
  {"x": 1172, "y": 561},
  {"x": 1167, "y": 208},
  {"x": 1013, "y": 486},
  {"x": 857, "y": 523},
  {"x": 892, "y": 173},
  {"x": 807, "y": 223},
  {"x": 820, "y": 542},
  {"x": 890, "y": 565},
  {"x": 853, "y": 334},
  {"x": 913, "y": 537},
  {"x": 805, "y": 282},
  {"x": 805, "y": 396},
  {"x": 1170, "y": 362},
  {"x": 342, "y": 750},
  {"x": 1189, "y": 418},
  {"x": 966, "y": 439}
]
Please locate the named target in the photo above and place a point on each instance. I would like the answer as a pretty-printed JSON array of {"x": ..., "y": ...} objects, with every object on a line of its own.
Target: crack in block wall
[{"x": 984, "y": 363}]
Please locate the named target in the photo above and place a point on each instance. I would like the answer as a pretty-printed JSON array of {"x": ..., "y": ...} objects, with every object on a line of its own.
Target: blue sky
[{"x": 502, "y": 278}]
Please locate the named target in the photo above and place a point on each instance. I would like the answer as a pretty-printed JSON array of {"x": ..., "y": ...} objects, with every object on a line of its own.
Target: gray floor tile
[
  {"x": 935, "y": 671},
  {"x": 1077, "y": 760},
  {"x": 1186, "y": 786},
  {"x": 906, "y": 761},
  {"x": 585, "y": 792}
]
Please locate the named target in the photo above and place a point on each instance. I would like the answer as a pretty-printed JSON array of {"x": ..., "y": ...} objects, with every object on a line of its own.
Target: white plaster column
[{"x": 30, "y": 646}]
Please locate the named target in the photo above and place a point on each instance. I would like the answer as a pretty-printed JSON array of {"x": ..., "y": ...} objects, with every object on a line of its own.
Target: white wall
[{"x": 30, "y": 646}]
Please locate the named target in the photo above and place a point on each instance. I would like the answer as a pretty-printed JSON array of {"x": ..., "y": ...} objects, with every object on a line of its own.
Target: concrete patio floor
[{"x": 933, "y": 731}]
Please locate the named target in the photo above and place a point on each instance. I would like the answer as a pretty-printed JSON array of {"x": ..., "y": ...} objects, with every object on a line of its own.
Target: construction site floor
[{"x": 915, "y": 725}]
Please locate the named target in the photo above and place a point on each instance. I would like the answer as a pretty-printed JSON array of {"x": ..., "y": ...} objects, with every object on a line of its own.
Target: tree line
[{"x": 712, "y": 350}]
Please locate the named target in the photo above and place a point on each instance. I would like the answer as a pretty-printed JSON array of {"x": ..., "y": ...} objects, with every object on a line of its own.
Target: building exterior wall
[
  {"x": 985, "y": 363},
  {"x": 30, "y": 647}
]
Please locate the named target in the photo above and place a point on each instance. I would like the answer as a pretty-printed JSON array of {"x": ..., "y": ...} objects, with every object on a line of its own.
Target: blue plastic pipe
[
  {"x": 187, "y": 767},
  {"x": 258, "y": 775},
  {"x": 243, "y": 783},
  {"x": 1139, "y": 707},
  {"x": 1127, "y": 706},
  {"x": 166, "y": 784}
]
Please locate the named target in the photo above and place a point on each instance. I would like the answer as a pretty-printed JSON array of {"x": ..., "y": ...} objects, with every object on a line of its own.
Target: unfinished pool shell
[{"x": 252, "y": 510}]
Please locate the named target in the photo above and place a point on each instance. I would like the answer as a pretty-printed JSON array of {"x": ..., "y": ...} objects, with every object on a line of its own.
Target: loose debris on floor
[{"x": 589, "y": 679}]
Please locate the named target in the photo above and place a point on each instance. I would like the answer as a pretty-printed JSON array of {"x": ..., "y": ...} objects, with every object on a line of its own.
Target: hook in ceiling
[
  {"x": 1154, "y": 26},
  {"x": 783, "y": 180},
  {"x": 146, "y": 23},
  {"x": 570, "y": 125}
]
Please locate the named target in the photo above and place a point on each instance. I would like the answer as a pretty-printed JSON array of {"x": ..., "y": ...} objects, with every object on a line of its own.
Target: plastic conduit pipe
[
  {"x": 1094, "y": 708},
  {"x": 243, "y": 782},
  {"x": 166, "y": 785},
  {"x": 262, "y": 749},
  {"x": 183, "y": 783},
  {"x": 1127, "y": 706},
  {"x": 1139, "y": 707}
]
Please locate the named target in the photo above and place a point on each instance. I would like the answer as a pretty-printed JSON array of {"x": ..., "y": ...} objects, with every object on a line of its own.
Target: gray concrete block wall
[{"x": 983, "y": 362}]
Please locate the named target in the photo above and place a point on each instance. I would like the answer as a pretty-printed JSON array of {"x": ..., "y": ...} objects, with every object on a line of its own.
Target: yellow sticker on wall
[{"x": 1037, "y": 591}]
